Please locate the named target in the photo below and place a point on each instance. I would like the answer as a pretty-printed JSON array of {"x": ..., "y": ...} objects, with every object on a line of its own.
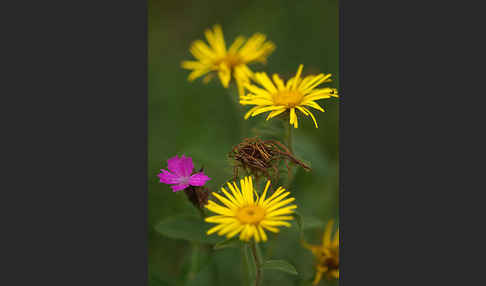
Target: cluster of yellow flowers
[
  {"x": 242, "y": 211},
  {"x": 276, "y": 96}
]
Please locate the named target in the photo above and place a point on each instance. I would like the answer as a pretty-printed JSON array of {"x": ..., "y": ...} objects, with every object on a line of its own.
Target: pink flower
[{"x": 180, "y": 175}]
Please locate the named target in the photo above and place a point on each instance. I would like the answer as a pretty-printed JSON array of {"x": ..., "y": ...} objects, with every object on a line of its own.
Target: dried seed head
[{"x": 262, "y": 158}]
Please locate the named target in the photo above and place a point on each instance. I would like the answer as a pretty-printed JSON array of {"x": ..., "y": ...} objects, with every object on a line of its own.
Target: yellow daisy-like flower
[
  {"x": 246, "y": 213},
  {"x": 228, "y": 63},
  {"x": 279, "y": 97},
  {"x": 327, "y": 255}
]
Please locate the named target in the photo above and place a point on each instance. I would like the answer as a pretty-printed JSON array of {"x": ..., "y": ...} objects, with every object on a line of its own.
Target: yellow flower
[
  {"x": 327, "y": 254},
  {"x": 249, "y": 215},
  {"x": 228, "y": 64},
  {"x": 296, "y": 94}
]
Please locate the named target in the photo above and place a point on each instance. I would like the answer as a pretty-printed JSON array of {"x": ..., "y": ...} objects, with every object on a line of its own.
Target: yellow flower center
[
  {"x": 288, "y": 98},
  {"x": 250, "y": 214},
  {"x": 231, "y": 60}
]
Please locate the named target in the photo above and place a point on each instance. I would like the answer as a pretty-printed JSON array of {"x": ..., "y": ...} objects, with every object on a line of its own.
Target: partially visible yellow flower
[
  {"x": 245, "y": 213},
  {"x": 327, "y": 254},
  {"x": 227, "y": 63},
  {"x": 279, "y": 97}
]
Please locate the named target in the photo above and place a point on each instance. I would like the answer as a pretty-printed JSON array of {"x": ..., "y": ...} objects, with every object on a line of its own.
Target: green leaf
[
  {"x": 300, "y": 224},
  {"x": 308, "y": 222},
  {"x": 187, "y": 227},
  {"x": 280, "y": 265},
  {"x": 312, "y": 222},
  {"x": 156, "y": 281},
  {"x": 228, "y": 243}
]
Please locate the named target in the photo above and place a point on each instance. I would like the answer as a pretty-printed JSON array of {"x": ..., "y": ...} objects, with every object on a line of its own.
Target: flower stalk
[
  {"x": 258, "y": 263},
  {"x": 289, "y": 137},
  {"x": 235, "y": 99},
  {"x": 291, "y": 149}
]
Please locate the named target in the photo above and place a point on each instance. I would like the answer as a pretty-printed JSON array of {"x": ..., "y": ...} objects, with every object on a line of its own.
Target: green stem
[
  {"x": 235, "y": 98},
  {"x": 194, "y": 261},
  {"x": 291, "y": 149},
  {"x": 201, "y": 212},
  {"x": 258, "y": 263},
  {"x": 289, "y": 137}
]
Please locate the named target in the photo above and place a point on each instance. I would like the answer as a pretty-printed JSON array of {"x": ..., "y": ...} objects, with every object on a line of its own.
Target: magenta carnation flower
[{"x": 180, "y": 175}]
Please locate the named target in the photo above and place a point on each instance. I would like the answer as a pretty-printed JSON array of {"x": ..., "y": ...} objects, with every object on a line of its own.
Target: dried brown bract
[
  {"x": 262, "y": 158},
  {"x": 198, "y": 196}
]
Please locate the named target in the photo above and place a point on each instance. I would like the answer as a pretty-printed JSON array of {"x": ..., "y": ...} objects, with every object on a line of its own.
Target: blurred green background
[{"x": 201, "y": 121}]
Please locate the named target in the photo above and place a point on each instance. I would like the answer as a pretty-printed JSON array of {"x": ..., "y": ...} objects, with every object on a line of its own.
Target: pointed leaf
[
  {"x": 280, "y": 265},
  {"x": 228, "y": 243},
  {"x": 300, "y": 224},
  {"x": 186, "y": 227}
]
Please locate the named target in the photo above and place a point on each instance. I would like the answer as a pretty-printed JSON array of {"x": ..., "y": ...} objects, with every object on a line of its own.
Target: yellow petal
[
  {"x": 308, "y": 113},
  {"x": 236, "y": 45},
  {"x": 265, "y": 109},
  {"x": 318, "y": 278},
  {"x": 235, "y": 231},
  {"x": 263, "y": 235},
  {"x": 197, "y": 73},
  {"x": 277, "y": 199},
  {"x": 280, "y": 204},
  {"x": 228, "y": 228},
  {"x": 201, "y": 51},
  {"x": 235, "y": 193},
  {"x": 297, "y": 77},
  {"x": 219, "y": 209},
  {"x": 262, "y": 198},
  {"x": 230, "y": 197},
  {"x": 278, "y": 81},
  {"x": 220, "y": 219},
  {"x": 326, "y": 238},
  {"x": 293, "y": 118},
  {"x": 256, "y": 235},
  {"x": 275, "y": 194},
  {"x": 270, "y": 228},
  {"x": 275, "y": 113},
  {"x": 317, "y": 80},
  {"x": 225, "y": 201},
  {"x": 265, "y": 81},
  {"x": 224, "y": 74},
  {"x": 282, "y": 211},
  {"x": 250, "y": 112},
  {"x": 315, "y": 105},
  {"x": 276, "y": 223},
  {"x": 215, "y": 229},
  {"x": 257, "y": 91},
  {"x": 335, "y": 241}
]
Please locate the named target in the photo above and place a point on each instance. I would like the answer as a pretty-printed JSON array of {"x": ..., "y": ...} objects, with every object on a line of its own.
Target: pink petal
[
  {"x": 173, "y": 164},
  {"x": 168, "y": 177},
  {"x": 182, "y": 166},
  {"x": 198, "y": 179},
  {"x": 186, "y": 165},
  {"x": 179, "y": 187}
]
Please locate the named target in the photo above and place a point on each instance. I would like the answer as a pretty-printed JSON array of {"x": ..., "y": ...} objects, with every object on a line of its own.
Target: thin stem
[
  {"x": 258, "y": 264},
  {"x": 201, "y": 212},
  {"x": 235, "y": 98},
  {"x": 291, "y": 149},
  {"x": 289, "y": 137},
  {"x": 194, "y": 261}
]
